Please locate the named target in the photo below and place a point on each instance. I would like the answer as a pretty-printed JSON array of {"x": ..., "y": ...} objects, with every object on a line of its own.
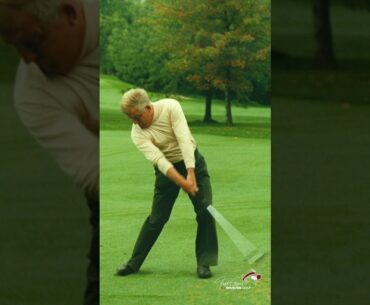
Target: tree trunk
[
  {"x": 208, "y": 110},
  {"x": 229, "y": 117},
  {"x": 323, "y": 34}
]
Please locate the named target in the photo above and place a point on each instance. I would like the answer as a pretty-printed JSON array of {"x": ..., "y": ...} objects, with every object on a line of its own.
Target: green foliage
[
  {"x": 127, "y": 46},
  {"x": 216, "y": 44},
  {"x": 187, "y": 46}
]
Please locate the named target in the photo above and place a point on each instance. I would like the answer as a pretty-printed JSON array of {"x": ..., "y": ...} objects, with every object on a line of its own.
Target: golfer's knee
[
  {"x": 203, "y": 215},
  {"x": 201, "y": 209},
  {"x": 157, "y": 222}
]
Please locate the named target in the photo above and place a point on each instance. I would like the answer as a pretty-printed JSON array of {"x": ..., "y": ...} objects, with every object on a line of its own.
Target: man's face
[
  {"x": 143, "y": 119},
  {"x": 55, "y": 48}
]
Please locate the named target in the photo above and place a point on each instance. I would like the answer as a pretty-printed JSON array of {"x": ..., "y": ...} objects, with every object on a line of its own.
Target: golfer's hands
[
  {"x": 189, "y": 185},
  {"x": 192, "y": 187}
]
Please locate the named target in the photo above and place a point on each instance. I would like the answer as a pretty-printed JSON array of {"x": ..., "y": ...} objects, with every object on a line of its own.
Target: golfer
[{"x": 161, "y": 133}]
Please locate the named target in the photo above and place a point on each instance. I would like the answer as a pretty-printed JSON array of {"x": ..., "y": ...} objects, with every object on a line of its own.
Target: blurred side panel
[
  {"x": 44, "y": 225},
  {"x": 320, "y": 152}
]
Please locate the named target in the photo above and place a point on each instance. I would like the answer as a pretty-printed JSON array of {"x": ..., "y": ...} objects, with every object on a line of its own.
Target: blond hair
[{"x": 135, "y": 98}]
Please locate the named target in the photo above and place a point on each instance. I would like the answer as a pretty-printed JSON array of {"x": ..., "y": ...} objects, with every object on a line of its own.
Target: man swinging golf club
[{"x": 161, "y": 133}]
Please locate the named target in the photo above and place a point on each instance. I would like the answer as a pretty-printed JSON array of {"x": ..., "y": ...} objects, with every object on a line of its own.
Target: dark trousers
[
  {"x": 91, "y": 296},
  {"x": 165, "y": 194}
]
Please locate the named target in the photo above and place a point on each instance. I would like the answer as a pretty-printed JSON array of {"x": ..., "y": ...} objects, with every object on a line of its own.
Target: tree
[
  {"x": 214, "y": 43},
  {"x": 126, "y": 44},
  {"x": 111, "y": 16}
]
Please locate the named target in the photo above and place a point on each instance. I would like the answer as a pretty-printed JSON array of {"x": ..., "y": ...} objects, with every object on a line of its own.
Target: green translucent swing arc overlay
[{"x": 245, "y": 247}]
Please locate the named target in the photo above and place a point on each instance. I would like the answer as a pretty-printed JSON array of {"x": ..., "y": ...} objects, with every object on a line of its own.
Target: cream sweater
[
  {"x": 63, "y": 113},
  {"x": 168, "y": 139}
]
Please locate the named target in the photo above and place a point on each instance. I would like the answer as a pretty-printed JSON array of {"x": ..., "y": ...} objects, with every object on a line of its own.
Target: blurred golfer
[
  {"x": 57, "y": 91},
  {"x": 161, "y": 133}
]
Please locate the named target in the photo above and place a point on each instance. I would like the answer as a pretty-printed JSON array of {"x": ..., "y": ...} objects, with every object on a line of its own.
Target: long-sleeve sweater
[{"x": 168, "y": 139}]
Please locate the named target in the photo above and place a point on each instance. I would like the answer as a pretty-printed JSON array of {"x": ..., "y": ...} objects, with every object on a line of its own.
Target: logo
[
  {"x": 252, "y": 276},
  {"x": 245, "y": 282}
]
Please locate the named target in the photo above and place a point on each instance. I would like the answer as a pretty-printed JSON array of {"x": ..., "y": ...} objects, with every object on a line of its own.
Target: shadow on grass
[
  {"x": 157, "y": 274},
  {"x": 167, "y": 273},
  {"x": 256, "y": 128}
]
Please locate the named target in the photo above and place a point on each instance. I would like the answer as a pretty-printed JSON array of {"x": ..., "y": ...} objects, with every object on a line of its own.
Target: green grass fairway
[{"x": 239, "y": 164}]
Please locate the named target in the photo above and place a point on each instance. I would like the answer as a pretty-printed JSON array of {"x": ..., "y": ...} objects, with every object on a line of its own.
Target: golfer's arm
[
  {"x": 183, "y": 135},
  {"x": 191, "y": 176},
  {"x": 187, "y": 185},
  {"x": 176, "y": 177}
]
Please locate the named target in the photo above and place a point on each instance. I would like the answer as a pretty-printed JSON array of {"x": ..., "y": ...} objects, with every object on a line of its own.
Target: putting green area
[{"x": 238, "y": 160}]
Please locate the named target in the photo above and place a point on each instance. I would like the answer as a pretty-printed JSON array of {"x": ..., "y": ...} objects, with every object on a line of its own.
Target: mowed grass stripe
[{"x": 126, "y": 199}]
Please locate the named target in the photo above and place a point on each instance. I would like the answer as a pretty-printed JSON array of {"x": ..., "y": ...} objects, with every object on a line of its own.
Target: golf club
[{"x": 245, "y": 247}]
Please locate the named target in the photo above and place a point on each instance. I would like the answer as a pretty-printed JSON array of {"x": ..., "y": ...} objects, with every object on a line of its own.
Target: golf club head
[{"x": 255, "y": 257}]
